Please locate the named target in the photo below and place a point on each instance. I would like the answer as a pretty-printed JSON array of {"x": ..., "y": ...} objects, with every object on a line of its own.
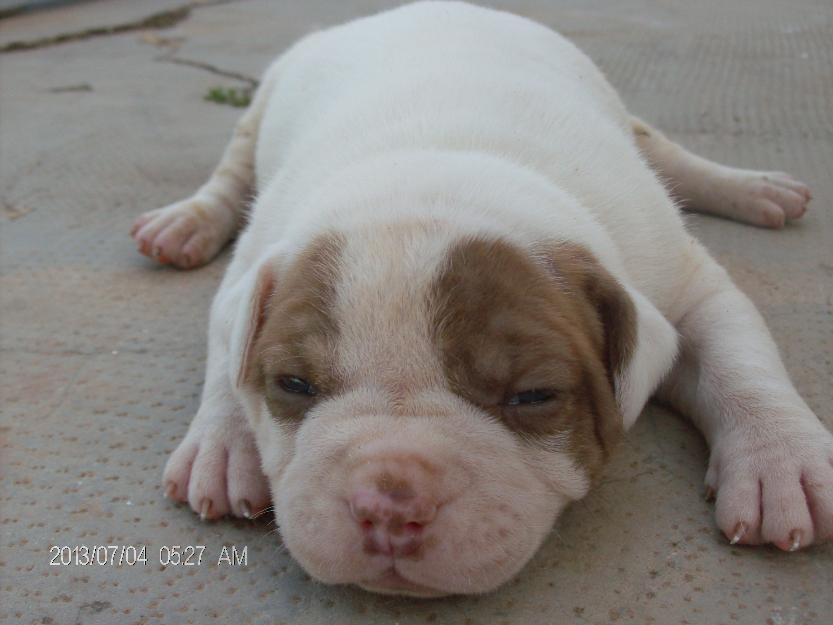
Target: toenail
[
  {"x": 740, "y": 530},
  {"x": 245, "y": 509},
  {"x": 170, "y": 491},
  {"x": 795, "y": 535},
  {"x": 205, "y": 508}
]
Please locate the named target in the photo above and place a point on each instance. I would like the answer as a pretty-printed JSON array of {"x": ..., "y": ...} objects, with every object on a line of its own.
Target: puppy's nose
[{"x": 392, "y": 514}]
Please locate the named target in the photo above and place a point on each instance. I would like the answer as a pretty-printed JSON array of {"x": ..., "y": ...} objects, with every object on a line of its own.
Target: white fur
[{"x": 487, "y": 124}]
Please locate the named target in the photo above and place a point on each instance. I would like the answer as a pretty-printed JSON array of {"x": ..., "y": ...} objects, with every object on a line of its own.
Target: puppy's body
[
  {"x": 368, "y": 102},
  {"x": 460, "y": 245}
]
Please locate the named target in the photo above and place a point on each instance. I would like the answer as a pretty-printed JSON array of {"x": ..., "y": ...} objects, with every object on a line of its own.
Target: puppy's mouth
[{"x": 392, "y": 583}]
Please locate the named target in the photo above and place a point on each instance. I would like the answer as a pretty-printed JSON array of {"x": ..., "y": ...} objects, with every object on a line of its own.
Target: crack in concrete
[
  {"x": 208, "y": 67},
  {"x": 155, "y": 21},
  {"x": 162, "y": 19},
  {"x": 106, "y": 351},
  {"x": 72, "y": 88}
]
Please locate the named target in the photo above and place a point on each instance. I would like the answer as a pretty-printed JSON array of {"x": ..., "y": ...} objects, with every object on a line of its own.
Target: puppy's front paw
[
  {"x": 216, "y": 469},
  {"x": 778, "y": 490},
  {"x": 186, "y": 234}
]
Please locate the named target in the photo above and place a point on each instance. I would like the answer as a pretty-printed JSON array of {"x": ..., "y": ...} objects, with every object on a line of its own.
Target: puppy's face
[{"x": 426, "y": 406}]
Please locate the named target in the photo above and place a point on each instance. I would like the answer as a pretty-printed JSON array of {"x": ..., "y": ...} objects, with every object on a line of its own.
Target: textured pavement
[{"x": 102, "y": 351}]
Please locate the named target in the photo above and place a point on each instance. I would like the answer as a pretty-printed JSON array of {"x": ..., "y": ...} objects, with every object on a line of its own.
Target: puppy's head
[{"x": 425, "y": 405}]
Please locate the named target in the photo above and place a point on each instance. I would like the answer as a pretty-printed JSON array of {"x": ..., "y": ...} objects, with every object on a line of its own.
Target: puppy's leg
[
  {"x": 216, "y": 467},
  {"x": 757, "y": 197},
  {"x": 771, "y": 464},
  {"x": 191, "y": 232}
]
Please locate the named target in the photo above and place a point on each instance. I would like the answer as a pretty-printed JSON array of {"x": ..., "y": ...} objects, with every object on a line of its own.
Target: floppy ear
[
  {"x": 640, "y": 345},
  {"x": 254, "y": 294},
  {"x": 639, "y": 355}
]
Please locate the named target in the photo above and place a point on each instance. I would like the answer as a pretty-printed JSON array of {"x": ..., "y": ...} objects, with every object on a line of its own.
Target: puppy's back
[
  {"x": 452, "y": 77},
  {"x": 428, "y": 75}
]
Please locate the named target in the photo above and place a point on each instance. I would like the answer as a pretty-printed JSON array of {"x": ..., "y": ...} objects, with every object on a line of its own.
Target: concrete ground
[{"x": 102, "y": 351}]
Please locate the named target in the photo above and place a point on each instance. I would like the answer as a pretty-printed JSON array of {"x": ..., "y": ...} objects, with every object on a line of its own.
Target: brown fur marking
[
  {"x": 505, "y": 324},
  {"x": 299, "y": 334},
  {"x": 583, "y": 273}
]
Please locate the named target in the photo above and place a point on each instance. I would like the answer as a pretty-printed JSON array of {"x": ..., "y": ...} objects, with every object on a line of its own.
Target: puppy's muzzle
[{"x": 393, "y": 500}]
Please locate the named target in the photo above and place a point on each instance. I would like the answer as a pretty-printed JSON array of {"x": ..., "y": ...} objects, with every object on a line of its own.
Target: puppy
[{"x": 460, "y": 281}]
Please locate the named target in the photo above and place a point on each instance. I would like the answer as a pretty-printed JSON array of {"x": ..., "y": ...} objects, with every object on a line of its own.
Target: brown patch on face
[
  {"x": 583, "y": 273},
  {"x": 298, "y": 333},
  {"x": 505, "y": 324}
]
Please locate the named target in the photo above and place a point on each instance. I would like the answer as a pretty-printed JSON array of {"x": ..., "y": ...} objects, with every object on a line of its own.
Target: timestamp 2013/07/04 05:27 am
[{"x": 137, "y": 555}]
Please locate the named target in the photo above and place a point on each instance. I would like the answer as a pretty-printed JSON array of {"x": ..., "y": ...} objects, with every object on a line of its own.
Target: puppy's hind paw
[
  {"x": 187, "y": 234},
  {"x": 767, "y": 199}
]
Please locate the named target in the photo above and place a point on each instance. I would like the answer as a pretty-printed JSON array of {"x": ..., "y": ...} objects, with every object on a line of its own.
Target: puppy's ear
[
  {"x": 651, "y": 359},
  {"x": 639, "y": 344},
  {"x": 254, "y": 293}
]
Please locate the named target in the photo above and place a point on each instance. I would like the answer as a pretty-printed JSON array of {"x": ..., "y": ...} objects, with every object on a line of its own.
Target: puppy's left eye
[
  {"x": 526, "y": 398},
  {"x": 299, "y": 386}
]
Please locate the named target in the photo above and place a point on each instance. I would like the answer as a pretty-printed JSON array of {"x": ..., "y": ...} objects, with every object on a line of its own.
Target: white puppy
[{"x": 459, "y": 283}]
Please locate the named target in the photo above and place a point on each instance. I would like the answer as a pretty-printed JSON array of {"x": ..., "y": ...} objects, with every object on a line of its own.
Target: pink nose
[{"x": 392, "y": 517}]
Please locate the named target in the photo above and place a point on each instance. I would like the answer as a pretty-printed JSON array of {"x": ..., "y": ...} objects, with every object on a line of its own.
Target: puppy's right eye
[
  {"x": 299, "y": 386},
  {"x": 530, "y": 398}
]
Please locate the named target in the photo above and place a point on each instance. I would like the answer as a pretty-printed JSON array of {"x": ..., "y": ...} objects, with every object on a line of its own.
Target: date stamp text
[{"x": 143, "y": 555}]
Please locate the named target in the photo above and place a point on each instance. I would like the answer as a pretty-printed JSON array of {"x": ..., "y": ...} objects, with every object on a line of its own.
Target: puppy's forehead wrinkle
[
  {"x": 278, "y": 352},
  {"x": 385, "y": 332},
  {"x": 545, "y": 254}
]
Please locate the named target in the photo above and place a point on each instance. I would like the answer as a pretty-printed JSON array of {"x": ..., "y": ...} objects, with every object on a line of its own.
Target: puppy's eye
[
  {"x": 299, "y": 386},
  {"x": 526, "y": 398}
]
